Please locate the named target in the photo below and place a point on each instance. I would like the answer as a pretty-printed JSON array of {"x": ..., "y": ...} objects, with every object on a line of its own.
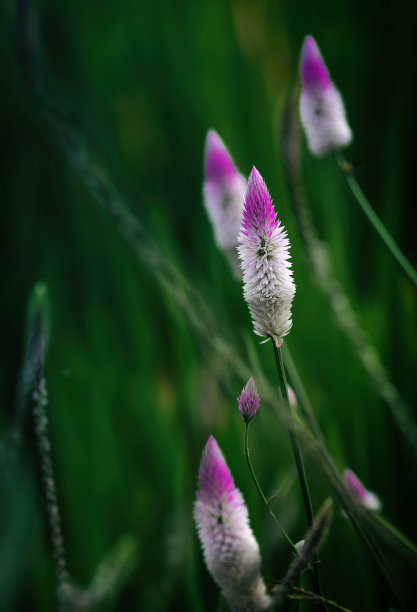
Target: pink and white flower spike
[
  {"x": 230, "y": 549},
  {"x": 263, "y": 249},
  {"x": 321, "y": 106},
  {"x": 223, "y": 194},
  {"x": 365, "y": 498}
]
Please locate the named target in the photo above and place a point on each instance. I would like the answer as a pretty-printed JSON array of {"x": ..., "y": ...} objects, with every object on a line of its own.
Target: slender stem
[
  {"x": 298, "y": 601},
  {"x": 375, "y": 221},
  {"x": 396, "y": 533},
  {"x": 261, "y": 493},
  {"x": 301, "y": 393},
  {"x": 335, "y": 478},
  {"x": 294, "y": 440},
  {"x": 50, "y": 490},
  {"x": 297, "y": 594},
  {"x": 298, "y": 458}
]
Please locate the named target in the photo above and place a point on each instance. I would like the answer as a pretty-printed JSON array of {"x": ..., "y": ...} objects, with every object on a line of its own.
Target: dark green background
[{"x": 134, "y": 391}]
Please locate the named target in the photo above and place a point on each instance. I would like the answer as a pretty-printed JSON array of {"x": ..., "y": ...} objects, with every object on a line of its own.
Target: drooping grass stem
[
  {"x": 261, "y": 493},
  {"x": 373, "y": 218},
  {"x": 298, "y": 457},
  {"x": 333, "y": 474},
  {"x": 396, "y": 533}
]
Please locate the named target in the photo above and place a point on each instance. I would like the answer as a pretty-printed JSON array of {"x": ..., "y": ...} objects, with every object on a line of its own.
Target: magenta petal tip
[
  {"x": 219, "y": 166},
  {"x": 365, "y": 498},
  {"x": 314, "y": 73}
]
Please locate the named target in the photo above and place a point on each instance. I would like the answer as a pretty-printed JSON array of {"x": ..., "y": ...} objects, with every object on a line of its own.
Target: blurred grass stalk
[
  {"x": 36, "y": 344},
  {"x": 318, "y": 257},
  {"x": 117, "y": 566}
]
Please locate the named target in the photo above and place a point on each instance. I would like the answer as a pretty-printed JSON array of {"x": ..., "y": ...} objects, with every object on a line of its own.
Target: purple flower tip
[
  {"x": 314, "y": 74},
  {"x": 366, "y": 498},
  {"x": 214, "y": 479},
  {"x": 292, "y": 397},
  {"x": 219, "y": 166},
  {"x": 248, "y": 402},
  {"x": 258, "y": 212},
  {"x": 355, "y": 485}
]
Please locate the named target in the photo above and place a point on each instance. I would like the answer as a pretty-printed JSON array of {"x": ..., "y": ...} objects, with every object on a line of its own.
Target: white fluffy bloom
[
  {"x": 223, "y": 194},
  {"x": 231, "y": 551},
  {"x": 321, "y": 106},
  {"x": 264, "y": 253}
]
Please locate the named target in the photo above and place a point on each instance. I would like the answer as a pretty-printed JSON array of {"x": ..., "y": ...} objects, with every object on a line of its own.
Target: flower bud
[
  {"x": 321, "y": 106},
  {"x": 230, "y": 549}
]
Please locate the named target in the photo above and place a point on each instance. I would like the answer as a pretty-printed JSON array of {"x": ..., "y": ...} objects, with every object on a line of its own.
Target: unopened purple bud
[
  {"x": 321, "y": 106},
  {"x": 292, "y": 397},
  {"x": 223, "y": 193},
  {"x": 265, "y": 261},
  {"x": 230, "y": 549},
  {"x": 248, "y": 402},
  {"x": 365, "y": 498}
]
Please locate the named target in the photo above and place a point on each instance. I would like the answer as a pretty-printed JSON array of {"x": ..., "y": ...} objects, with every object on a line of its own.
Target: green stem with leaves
[{"x": 373, "y": 218}]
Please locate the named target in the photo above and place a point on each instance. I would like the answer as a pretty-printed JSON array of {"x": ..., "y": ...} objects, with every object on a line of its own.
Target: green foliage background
[{"x": 134, "y": 391}]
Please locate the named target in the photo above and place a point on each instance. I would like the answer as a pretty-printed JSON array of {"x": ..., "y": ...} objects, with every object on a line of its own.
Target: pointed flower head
[
  {"x": 223, "y": 193},
  {"x": 321, "y": 106},
  {"x": 264, "y": 255},
  {"x": 229, "y": 546},
  {"x": 365, "y": 498},
  {"x": 248, "y": 402}
]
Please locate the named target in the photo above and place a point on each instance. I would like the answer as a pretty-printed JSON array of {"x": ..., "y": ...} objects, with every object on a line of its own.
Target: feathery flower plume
[
  {"x": 264, "y": 253},
  {"x": 223, "y": 192},
  {"x": 230, "y": 549},
  {"x": 365, "y": 498},
  {"x": 321, "y": 106},
  {"x": 248, "y": 401}
]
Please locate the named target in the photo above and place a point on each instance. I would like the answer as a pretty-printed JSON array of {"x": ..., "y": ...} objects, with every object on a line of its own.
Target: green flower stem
[
  {"x": 261, "y": 493},
  {"x": 298, "y": 458},
  {"x": 334, "y": 476},
  {"x": 294, "y": 440},
  {"x": 375, "y": 221}
]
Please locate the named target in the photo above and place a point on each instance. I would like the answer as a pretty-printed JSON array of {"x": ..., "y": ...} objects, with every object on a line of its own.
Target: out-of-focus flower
[
  {"x": 230, "y": 549},
  {"x": 248, "y": 401},
  {"x": 264, "y": 254},
  {"x": 365, "y": 498},
  {"x": 223, "y": 194},
  {"x": 292, "y": 397},
  {"x": 321, "y": 106}
]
